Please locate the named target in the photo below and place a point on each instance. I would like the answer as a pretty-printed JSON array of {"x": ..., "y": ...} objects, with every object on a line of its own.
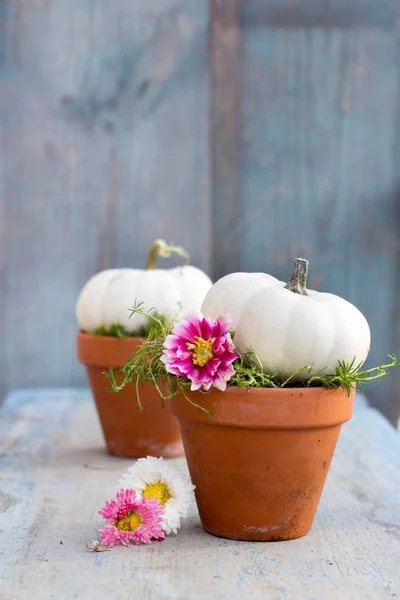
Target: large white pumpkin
[
  {"x": 106, "y": 299},
  {"x": 287, "y": 325}
]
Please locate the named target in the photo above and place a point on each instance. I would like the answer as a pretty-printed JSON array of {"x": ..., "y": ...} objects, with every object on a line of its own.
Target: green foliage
[
  {"x": 347, "y": 375},
  {"x": 250, "y": 373},
  {"x": 146, "y": 366},
  {"x": 114, "y": 331},
  {"x": 120, "y": 332}
]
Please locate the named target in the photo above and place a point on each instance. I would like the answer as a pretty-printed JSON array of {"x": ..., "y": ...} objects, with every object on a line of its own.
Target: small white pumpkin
[
  {"x": 288, "y": 326},
  {"x": 106, "y": 299}
]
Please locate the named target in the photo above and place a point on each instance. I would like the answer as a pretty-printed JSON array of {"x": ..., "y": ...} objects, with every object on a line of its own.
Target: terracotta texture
[
  {"x": 127, "y": 431},
  {"x": 260, "y": 462}
]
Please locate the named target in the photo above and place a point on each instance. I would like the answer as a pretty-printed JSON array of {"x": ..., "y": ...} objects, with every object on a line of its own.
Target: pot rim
[
  {"x": 105, "y": 351},
  {"x": 270, "y": 408}
]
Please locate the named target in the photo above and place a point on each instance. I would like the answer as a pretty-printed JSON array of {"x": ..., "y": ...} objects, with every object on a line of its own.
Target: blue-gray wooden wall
[{"x": 249, "y": 132}]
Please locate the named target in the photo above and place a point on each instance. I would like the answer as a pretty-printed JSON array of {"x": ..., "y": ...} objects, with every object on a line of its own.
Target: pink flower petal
[
  {"x": 220, "y": 384},
  {"x": 196, "y": 385},
  {"x": 185, "y": 347},
  {"x": 124, "y": 504},
  {"x": 207, "y": 386},
  {"x": 206, "y": 329},
  {"x": 225, "y": 322},
  {"x": 189, "y": 327}
]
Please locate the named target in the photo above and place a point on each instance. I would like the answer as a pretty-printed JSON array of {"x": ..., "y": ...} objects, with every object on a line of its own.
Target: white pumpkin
[
  {"x": 106, "y": 299},
  {"x": 288, "y": 326}
]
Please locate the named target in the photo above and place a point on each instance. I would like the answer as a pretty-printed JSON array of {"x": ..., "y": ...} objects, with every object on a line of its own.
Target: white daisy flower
[{"x": 153, "y": 477}]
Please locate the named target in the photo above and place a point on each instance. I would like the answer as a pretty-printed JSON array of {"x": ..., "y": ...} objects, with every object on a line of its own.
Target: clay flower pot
[
  {"x": 127, "y": 431},
  {"x": 260, "y": 462}
]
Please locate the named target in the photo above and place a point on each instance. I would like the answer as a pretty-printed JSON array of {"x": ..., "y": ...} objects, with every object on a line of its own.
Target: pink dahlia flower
[
  {"x": 201, "y": 350},
  {"x": 131, "y": 519}
]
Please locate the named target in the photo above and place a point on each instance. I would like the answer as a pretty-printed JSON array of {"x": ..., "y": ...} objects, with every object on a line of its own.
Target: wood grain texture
[
  {"x": 104, "y": 109},
  {"x": 318, "y": 157},
  {"x": 305, "y": 14},
  {"x": 55, "y": 475},
  {"x": 226, "y": 91},
  {"x": 3, "y": 260}
]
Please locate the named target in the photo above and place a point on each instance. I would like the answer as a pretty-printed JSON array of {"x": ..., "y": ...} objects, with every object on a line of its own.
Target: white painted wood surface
[{"x": 55, "y": 475}]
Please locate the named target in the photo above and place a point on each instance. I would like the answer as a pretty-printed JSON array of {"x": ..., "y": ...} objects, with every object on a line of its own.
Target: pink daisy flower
[
  {"x": 201, "y": 350},
  {"x": 131, "y": 519}
]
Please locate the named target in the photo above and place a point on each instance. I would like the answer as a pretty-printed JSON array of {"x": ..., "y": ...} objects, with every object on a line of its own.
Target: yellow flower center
[
  {"x": 202, "y": 351},
  {"x": 130, "y": 522},
  {"x": 157, "y": 490}
]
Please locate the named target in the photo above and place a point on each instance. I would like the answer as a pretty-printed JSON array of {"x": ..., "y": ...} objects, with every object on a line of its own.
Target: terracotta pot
[
  {"x": 260, "y": 462},
  {"x": 127, "y": 431}
]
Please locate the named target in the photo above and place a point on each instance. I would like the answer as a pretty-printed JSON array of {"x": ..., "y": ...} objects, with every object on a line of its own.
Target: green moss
[
  {"x": 250, "y": 373},
  {"x": 120, "y": 332},
  {"x": 114, "y": 331}
]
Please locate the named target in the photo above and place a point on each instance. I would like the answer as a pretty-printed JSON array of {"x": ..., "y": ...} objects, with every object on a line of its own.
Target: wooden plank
[
  {"x": 3, "y": 262},
  {"x": 55, "y": 474},
  {"x": 3, "y": 227},
  {"x": 226, "y": 74},
  {"x": 104, "y": 148},
  {"x": 319, "y": 162},
  {"x": 329, "y": 14}
]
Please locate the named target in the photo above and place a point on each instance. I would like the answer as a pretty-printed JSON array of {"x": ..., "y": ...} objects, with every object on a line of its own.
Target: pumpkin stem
[
  {"x": 298, "y": 279},
  {"x": 161, "y": 248}
]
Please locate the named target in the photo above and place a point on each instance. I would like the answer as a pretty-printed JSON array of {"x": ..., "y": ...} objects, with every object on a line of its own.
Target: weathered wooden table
[{"x": 55, "y": 475}]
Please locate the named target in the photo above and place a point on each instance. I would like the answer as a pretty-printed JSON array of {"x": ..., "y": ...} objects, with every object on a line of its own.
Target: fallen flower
[
  {"x": 131, "y": 519},
  {"x": 164, "y": 481}
]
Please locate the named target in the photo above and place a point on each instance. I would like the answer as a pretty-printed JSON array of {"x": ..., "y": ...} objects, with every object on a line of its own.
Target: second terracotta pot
[
  {"x": 127, "y": 431},
  {"x": 260, "y": 462}
]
